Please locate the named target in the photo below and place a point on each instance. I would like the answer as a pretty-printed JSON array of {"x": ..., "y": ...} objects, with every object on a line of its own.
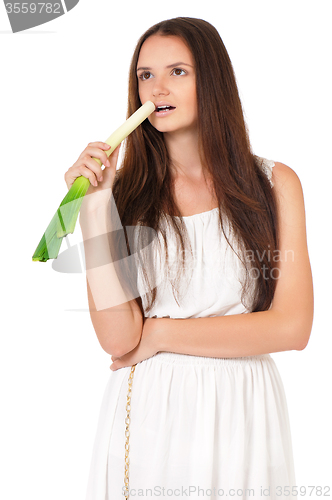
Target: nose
[{"x": 160, "y": 88}]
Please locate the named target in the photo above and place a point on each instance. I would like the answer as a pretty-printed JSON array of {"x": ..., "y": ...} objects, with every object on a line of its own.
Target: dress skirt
[{"x": 200, "y": 427}]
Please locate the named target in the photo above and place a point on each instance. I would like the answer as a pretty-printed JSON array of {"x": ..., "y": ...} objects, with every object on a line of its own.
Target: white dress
[{"x": 201, "y": 427}]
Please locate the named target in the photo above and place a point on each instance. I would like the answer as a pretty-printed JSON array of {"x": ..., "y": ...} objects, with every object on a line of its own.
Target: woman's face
[{"x": 166, "y": 76}]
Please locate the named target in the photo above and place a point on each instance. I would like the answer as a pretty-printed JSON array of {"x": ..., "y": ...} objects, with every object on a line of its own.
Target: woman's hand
[
  {"x": 147, "y": 347},
  {"x": 101, "y": 181}
]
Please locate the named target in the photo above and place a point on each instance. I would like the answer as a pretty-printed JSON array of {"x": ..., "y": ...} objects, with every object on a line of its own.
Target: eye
[
  {"x": 145, "y": 75},
  {"x": 179, "y": 71}
]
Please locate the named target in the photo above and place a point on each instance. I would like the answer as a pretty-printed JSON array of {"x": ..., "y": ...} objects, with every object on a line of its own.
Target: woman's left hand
[{"x": 147, "y": 347}]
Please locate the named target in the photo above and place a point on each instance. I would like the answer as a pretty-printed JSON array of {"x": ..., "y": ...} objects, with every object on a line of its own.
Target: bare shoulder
[
  {"x": 285, "y": 176},
  {"x": 288, "y": 188}
]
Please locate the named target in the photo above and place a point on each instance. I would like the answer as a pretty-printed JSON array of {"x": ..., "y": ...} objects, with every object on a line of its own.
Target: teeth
[{"x": 163, "y": 107}]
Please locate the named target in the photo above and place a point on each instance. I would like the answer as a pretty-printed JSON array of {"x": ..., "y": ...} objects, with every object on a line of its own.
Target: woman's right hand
[{"x": 101, "y": 181}]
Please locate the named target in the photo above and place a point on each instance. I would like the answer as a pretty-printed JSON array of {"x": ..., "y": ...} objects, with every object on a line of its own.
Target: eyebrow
[{"x": 169, "y": 66}]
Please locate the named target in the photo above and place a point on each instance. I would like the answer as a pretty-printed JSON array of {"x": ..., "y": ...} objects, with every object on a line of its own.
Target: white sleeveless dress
[{"x": 200, "y": 427}]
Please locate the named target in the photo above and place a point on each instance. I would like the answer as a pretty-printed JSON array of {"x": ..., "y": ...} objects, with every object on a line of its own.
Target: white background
[{"x": 64, "y": 84}]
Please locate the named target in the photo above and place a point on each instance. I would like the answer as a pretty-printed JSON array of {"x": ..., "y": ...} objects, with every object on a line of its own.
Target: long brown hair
[{"x": 143, "y": 185}]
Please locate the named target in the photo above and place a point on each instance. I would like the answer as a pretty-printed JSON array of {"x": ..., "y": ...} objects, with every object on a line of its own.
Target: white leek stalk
[{"x": 64, "y": 220}]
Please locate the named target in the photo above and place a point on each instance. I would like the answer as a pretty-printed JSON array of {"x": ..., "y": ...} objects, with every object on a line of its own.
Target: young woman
[{"x": 191, "y": 355}]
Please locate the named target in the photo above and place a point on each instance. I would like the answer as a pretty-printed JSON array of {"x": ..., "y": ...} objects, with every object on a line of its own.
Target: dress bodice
[{"x": 213, "y": 282}]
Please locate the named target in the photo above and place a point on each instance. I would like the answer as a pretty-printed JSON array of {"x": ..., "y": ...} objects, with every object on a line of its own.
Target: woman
[{"x": 208, "y": 415}]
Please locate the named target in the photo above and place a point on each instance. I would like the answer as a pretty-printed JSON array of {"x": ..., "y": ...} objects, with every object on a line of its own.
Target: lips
[{"x": 163, "y": 109}]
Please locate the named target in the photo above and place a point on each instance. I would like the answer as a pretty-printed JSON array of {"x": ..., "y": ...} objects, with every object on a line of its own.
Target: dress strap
[{"x": 266, "y": 166}]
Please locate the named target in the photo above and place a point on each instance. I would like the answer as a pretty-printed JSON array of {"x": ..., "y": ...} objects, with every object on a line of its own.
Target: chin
[{"x": 163, "y": 127}]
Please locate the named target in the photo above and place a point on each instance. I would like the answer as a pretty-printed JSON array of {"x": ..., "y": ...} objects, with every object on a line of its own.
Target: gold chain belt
[{"x": 127, "y": 420}]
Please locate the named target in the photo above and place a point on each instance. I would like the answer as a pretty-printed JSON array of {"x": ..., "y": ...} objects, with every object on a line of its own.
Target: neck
[{"x": 184, "y": 155}]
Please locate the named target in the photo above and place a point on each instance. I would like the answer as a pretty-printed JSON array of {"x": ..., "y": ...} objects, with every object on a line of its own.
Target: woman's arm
[
  {"x": 286, "y": 325},
  {"x": 117, "y": 321}
]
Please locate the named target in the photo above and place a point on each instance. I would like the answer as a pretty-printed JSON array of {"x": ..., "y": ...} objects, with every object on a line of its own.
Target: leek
[{"x": 64, "y": 220}]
